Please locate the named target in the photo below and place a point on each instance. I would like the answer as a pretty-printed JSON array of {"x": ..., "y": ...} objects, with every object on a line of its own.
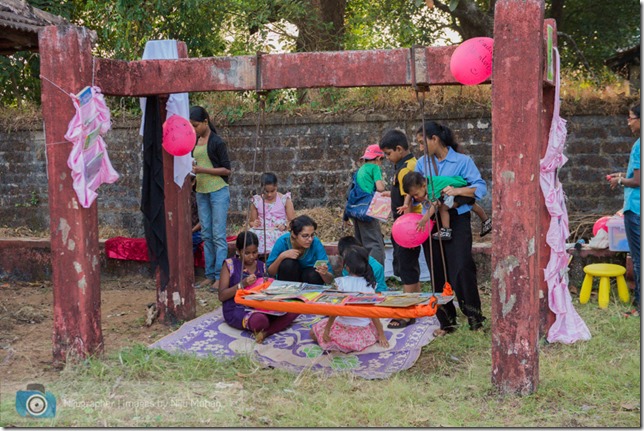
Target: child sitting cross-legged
[
  {"x": 240, "y": 272},
  {"x": 351, "y": 334}
]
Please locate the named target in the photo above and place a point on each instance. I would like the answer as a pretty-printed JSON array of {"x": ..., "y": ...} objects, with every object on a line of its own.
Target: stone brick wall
[{"x": 313, "y": 158}]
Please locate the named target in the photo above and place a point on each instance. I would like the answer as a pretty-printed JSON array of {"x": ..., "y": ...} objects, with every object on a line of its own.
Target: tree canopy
[{"x": 590, "y": 31}]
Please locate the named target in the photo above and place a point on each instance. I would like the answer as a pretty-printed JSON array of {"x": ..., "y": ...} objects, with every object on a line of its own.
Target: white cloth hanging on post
[
  {"x": 568, "y": 326},
  {"x": 178, "y": 104}
]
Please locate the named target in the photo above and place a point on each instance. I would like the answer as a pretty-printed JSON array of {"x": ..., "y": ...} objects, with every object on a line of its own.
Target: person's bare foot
[
  {"x": 215, "y": 287},
  {"x": 259, "y": 337}
]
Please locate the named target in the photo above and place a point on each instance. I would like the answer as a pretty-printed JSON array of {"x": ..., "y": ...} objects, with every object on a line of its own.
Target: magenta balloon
[
  {"x": 600, "y": 224},
  {"x": 405, "y": 233},
  {"x": 471, "y": 61},
  {"x": 179, "y": 136}
]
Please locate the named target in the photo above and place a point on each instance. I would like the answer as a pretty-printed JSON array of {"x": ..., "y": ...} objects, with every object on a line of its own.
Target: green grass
[{"x": 587, "y": 384}]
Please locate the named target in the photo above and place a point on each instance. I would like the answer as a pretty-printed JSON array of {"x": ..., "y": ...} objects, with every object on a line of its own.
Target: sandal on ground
[
  {"x": 442, "y": 332},
  {"x": 400, "y": 323},
  {"x": 486, "y": 227},
  {"x": 632, "y": 313},
  {"x": 439, "y": 333},
  {"x": 204, "y": 283}
]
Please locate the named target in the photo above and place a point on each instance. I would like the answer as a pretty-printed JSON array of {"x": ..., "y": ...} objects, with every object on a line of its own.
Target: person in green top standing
[
  {"x": 369, "y": 179},
  {"x": 212, "y": 168}
]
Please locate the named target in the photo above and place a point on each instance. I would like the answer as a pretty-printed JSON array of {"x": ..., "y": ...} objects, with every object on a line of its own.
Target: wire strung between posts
[
  {"x": 420, "y": 96},
  {"x": 67, "y": 93},
  {"x": 261, "y": 99},
  {"x": 421, "y": 102}
]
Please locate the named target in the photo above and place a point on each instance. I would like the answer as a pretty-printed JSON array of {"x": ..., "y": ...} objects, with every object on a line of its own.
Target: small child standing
[
  {"x": 351, "y": 334},
  {"x": 369, "y": 179},
  {"x": 273, "y": 207},
  {"x": 240, "y": 272}
]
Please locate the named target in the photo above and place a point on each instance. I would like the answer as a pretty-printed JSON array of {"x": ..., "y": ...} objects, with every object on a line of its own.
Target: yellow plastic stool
[{"x": 603, "y": 271}]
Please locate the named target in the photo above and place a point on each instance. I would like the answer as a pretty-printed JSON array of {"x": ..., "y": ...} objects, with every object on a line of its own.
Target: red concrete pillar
[
  {"x": 547, "y": 317},
  {"x": 177, "y": 302},
  {"x": 517, "y": 93},
  {"x": 66, "y": 60}
]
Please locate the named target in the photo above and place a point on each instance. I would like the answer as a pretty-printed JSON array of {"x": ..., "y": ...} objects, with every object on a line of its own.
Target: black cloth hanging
[{"x": 152, "y": 194}]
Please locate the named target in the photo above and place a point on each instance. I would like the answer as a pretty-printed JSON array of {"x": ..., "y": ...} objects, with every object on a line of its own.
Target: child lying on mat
[
  {"x": 238, "y": 274},
  {"x": 351, "y": 334}
]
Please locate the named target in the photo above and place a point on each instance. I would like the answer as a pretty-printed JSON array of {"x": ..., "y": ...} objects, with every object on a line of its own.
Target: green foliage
[
  {"x": 240, "y": 27},
  {"x": 599, "y": 29}
]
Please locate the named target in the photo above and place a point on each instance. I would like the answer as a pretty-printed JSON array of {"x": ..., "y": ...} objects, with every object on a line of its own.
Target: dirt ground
[{"x": 26, "y": 324}]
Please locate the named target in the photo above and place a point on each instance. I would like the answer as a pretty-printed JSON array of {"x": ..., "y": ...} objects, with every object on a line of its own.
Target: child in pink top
[{"x": 273, "y": 207}]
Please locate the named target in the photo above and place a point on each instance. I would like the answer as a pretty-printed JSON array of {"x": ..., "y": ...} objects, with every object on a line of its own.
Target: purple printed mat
[{"x": 294, "y": 350}]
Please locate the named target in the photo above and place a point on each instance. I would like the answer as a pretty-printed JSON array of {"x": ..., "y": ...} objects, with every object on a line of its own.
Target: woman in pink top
[{"x": 274, "y": 207}]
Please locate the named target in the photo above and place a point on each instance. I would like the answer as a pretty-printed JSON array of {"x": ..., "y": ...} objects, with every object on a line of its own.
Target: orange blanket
[{"x": 340, "y": 310}]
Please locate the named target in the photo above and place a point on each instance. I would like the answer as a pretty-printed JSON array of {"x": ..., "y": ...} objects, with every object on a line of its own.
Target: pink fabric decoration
[
  {"x": 568, "y": 326},
  {"x": 88, "y": 159}
]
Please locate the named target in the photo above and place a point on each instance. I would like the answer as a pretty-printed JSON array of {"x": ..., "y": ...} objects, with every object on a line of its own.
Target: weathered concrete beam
[{"x": 297, "y": 70}]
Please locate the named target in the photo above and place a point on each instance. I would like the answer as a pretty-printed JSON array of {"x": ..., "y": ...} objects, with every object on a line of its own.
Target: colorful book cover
[
  {"x": 400, "y": 301},
  {"x": 364, "y": 300},
  {"x": 330, "y": 298},
  {"x": 380, "y": 207}
]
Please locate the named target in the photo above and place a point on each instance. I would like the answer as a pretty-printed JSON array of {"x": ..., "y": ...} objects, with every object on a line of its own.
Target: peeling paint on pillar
[
  {"x": 176, "y": 298},
  {"x": 531, "y": 246},
  {"x": 501, "y": 273},
  {"x": 82, "y": 284},
  {"x": 64, "y": 227},
  {"x": 508, "y": 176},
  {"x": 71, "y": 245}
]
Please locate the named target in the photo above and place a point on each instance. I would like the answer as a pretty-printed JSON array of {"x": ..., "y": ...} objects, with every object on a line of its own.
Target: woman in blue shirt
[
  {"x": 294, "y": 254},
  {"x": 630, "y": 181},
  {"x": 444, "y": 160}
]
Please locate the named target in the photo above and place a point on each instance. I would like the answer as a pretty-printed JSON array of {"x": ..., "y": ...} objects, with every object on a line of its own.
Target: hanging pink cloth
[
  {"x": 88, "y": 159},
  {"x": 568, "y": 326}
]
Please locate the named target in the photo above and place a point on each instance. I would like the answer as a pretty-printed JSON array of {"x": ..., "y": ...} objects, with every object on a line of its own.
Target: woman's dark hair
[
  {"x": 356, "y": 259},
  {"x": 413, "y": 179},
  {"x": 394, "y": 138},
  {"x": 635, "y": 109},
  {"x": 432, "y": 128},
  {"x": 347, "y": 242},
  {"x": 245, "y": 239},
  {"x": 299, "y": 223},
  {"x": 198, "y": 113},
  {"x": 268, "y": 179}
]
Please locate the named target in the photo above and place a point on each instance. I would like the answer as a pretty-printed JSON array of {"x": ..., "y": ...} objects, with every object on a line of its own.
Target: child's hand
[
  {"x": 387, "y": 193},
  {"x": 322, "y": 269},
  {"x": 382, "y": 340},
  {"x": 422, "y": 224},
  {"x": 402, "y": 209},
  {"x": 281, "y": 227},
  {"x": 248, "y": 281},
  {"x": 257, "y": 223}
]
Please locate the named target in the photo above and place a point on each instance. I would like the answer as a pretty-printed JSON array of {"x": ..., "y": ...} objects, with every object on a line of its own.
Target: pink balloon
[
  {"x": 471, "y": 61},
  {"x": 600, "y": 224},
  {"x": 405, "y": 233},
  {"x": 179, "y": 136}
]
